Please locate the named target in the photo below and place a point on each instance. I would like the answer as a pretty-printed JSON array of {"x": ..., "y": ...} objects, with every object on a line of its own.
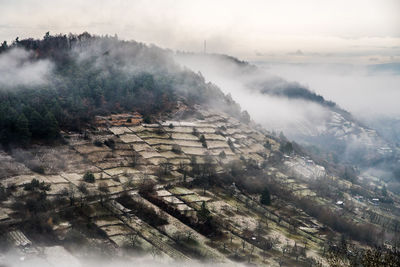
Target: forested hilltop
[{"x": 62, "y": 82}]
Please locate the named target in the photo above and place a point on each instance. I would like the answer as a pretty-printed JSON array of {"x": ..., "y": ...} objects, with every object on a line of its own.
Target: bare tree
[
  {"x": 71, "y": 194},
  {"x": 133, "y": 239}
]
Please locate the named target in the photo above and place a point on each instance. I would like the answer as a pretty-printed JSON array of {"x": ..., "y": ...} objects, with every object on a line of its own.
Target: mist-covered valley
[
  {"x": 345, "y": 84},
  {"x": 349, "y": 109},
  {"x": 342, "y": 84}
]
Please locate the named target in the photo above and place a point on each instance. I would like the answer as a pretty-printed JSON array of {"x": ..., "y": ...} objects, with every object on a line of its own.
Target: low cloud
[
  {"x": 297, "y": 53},
  {"x": 275, "y": 112},
  {"x": 299, "y": 113},
  {"x": 365, "y": 91},
  {"x": 234, "y": 27},
  {"x": 18, "y": 68},
  {"x": 60, "y": 257}
]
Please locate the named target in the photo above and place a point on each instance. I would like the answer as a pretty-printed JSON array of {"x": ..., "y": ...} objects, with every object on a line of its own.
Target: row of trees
[{"x": 20, "y": 123}]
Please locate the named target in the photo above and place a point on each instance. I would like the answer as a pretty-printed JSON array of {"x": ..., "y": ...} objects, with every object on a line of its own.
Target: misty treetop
[
  {"x": 253, "y": 77},
  {"x": 62, "y": 82}
]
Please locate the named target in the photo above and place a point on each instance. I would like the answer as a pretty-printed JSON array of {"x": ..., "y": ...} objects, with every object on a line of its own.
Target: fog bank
[
  {"x": 275, "y": 112},
  {"x": 365, "y": 91},
  {"x": 18, "y": 69}
]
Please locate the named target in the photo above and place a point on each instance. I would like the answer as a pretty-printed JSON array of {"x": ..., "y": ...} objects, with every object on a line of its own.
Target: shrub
[
  {"x": 160, "y": 130},
  {"x": 231, "y": 145},
  {"x": 265, "y": 197},
  {"x": 12, "y": 187},
  {"x": 98, "y": 143},
  {"x": 195, "y": 132},
  {"x": 89, "y": 177},
  {"x": 3, "y": 193},
  {"x": 35, "y": 184},
  {"x": 103, "y": 187},
  {"x": 64, "y": 192},
  {"x": 147, "y": 187},
  {"x": 147, "y": 119},
  {"x": 32, "y": 185},
  {"x": 110, "y": 143},
  {"x": 176, "y": 149},
  {"x": 203, "y": 141},
  {"x": 83, "y": 188}
]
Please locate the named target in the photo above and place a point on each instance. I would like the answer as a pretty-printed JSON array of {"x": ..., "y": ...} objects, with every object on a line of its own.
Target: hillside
[
  {"x": 133, "y": 158},
  {"x": 328, "y": 131},
  {"x": 68, "y": 80}
]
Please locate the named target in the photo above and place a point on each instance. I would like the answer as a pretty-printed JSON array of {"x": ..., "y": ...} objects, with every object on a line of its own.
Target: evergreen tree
[
  {"x": 3, "y": 46},
  {"x": 57, "y": 111},
  {"x": 265, "y": 197},
  {"x": 5, "y": 131},
  {"x": 384, "y": 191},
  {"x": 36, "y": 123},
  {"x": 22, "y": 129},
  {"x": 287, "y": 148},
  {"x": 51, "y": 126}
]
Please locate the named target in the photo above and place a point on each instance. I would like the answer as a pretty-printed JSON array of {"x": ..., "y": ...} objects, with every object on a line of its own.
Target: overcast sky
[{"x": 362, "y": 31}]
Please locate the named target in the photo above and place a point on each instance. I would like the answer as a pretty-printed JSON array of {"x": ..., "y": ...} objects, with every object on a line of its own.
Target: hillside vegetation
[{"x": 90, "y": 75}]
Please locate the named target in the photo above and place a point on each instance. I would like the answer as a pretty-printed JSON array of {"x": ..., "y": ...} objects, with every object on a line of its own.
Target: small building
[
  {"x": 375, "y": 201},
  {"x": 339, "y": 203},
  {"x": 359, "y": 198}
]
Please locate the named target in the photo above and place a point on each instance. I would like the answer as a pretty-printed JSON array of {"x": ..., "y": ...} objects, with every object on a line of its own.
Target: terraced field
[{"x": 125, "y": 159}]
